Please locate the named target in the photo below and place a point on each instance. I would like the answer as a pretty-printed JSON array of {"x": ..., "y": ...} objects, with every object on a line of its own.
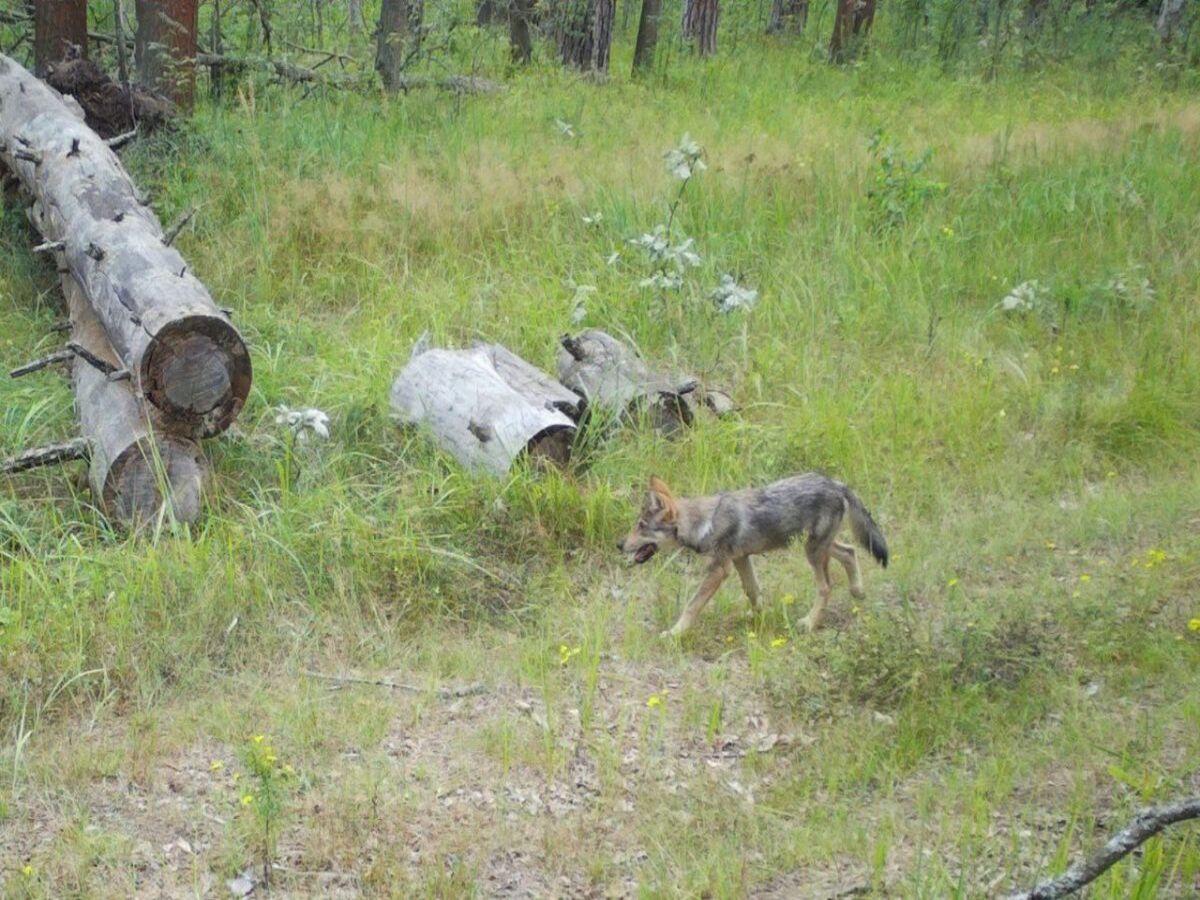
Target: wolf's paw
[
  {"x": 809, "y": 623},
  {"x": 857, "y": 592}
]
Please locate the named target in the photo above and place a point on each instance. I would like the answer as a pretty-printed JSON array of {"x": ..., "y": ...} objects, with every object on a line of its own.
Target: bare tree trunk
[
  {"x": 165, "y": 47},
  {"x": 700, "y": 20},
  {"x": 358, "y": 24},
  {"x": 585, "y": 34},
  {"x": 179, "y": 349},
  {"x": 518, "y": 30},
  {"x": 487, "y": 12},
  {"x": 647, "y": 36},
  {"x": 1170, "y": 17},
  {"x": 394, "y": 29},
  {"x": 58, "y": 25},
  {"x": 788, "y": 15},
  {"x": 843, "y": 30},
  {"x": 603, "y": 14}
]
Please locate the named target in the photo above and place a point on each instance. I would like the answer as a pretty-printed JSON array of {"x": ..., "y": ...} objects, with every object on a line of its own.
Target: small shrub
[{"x": 900, "y": 185}]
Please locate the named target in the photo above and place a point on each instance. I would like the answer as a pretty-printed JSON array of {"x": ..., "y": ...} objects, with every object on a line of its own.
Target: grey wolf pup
[{"x": 729, "y": 528}]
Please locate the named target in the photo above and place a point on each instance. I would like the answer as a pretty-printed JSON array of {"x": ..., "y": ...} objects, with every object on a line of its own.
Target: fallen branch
[
  {"x": 1145, "y": 825},
  {"x": 454, "y": 693},
  {"x": 58, "y": 356},
  {"x": 51, "y": 454},
  {"x": 303, "y": 75}
]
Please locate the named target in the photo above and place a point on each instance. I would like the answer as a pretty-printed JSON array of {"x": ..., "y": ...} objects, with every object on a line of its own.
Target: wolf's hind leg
[
  {"x": 845, "y": 554},
  {"x": 818, "y": 553},
  {"x": 745, "y": 570},
  {"x": 718, "y": 571}
]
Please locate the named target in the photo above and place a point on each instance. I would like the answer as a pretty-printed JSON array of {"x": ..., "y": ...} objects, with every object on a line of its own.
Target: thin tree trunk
[
  {"x": 389, "y": 54},
  {"x": 518, "y": 30},
  {"x": 1170, "y": 17},
  {"x": 165, "y": 47},
  {"x": 788, "y": 15},
  {"x": 700, "y": 20},
  {"x": 180, "y": 350},
  {"x": 216, "y": 74},
  {"x": 122, "y": 50},
  {"x": 647, "y": 36},
  {"x": 58, "y": 25},
  {"x": 358, "y": 24},
  {"x": 844, "y": 21},
  {"x": 603, "y": 14},
  {"x": 487, "y": 13}
]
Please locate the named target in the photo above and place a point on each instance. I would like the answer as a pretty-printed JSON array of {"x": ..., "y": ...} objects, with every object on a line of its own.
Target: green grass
[{"x": 1018, "y": 681}]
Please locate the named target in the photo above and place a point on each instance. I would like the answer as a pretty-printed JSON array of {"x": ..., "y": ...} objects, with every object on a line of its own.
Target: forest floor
[{"x": 1018, "y": 681}]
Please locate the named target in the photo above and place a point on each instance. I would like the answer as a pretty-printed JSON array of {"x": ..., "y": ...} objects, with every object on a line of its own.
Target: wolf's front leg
[
  {"x": 745, "y": 570},
  {"x": 718, "y": 571}
]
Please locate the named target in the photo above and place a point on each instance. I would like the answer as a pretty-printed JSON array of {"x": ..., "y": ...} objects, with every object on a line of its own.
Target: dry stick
[
  {"x": 49, "y": 455},
  {"x": 49, "y": 359},
  {"x": 469, "y": 690},
  {"x": 173, "y": 232},
  {"x": 1145, "y": 825}
]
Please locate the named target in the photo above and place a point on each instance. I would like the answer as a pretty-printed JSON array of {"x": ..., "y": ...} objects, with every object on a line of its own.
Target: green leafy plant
[{"x": 900, "y": 184}]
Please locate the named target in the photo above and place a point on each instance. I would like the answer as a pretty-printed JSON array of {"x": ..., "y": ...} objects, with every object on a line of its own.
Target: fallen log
[
  {"x": 183, "y": 353},
  {"x": 486, "y": 407},
  {"x": 110, "y": 108},
  {"x": 134, "y": 468},
  {"x": 616, "y": 381},
  {"x": 130, "y": 464},
  {"x": 303, "y": 75}
]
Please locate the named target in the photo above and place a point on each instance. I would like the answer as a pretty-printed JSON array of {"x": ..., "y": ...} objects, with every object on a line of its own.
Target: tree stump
[
  {"x": 183, "y": 353},
  {"x": 487, "y": 407}
]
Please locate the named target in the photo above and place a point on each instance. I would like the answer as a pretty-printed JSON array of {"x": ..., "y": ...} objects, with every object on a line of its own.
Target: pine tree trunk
[
  {"x": 647, "y": 36},
  {"x": 603, "y": 14},
  {"x": 58, "y": 25},
  {"x": 394, "y": 28},
  {"x": 1170, "y": 17},
  {"x": 518, "y": 30},
  {"x": 165, "y": 48},
  {"x": 585, "y": 34},
  {"x": 700, "y": 20},
  {"x": 843, "y": 30}
]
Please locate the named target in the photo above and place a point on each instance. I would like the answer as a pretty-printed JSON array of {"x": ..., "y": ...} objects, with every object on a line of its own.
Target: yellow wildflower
[
  {"x": 952, "y": 582},
  {"x": 247, "y": 799},
  {"x": 1194, "y": 625},
  {"x": 788, "y": 599},
  {"x": 653, "y": 701},
  {"x": 948, "y": 231},
  {"x": 27, "y": 871},
  {"x": 258, "y": 738},
  {"x": 751, "y": 635},
  {"x": 778, "y": 642},
  {"x": 216, "y": 766}
]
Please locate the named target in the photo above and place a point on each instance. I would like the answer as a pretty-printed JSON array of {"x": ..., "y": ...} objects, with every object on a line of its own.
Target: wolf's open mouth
[{"x": 644, "y": 552}]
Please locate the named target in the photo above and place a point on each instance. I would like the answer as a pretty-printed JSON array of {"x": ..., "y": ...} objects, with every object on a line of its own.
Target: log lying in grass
[
  {"x": 132, "y": 469},
  {"x": 615, "y": 380},
  {"x": 487, "y": 407},
  {"x": 183, "y": 353}
]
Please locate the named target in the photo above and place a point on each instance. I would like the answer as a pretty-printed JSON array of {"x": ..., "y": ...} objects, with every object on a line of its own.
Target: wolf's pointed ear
[{"x": 663, "y": 498}]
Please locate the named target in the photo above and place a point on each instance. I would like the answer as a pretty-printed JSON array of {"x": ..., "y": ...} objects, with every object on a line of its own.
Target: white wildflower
[
  {"x": 1025, "y": 297},
  {"x": 303, "y": 422},
  {"x": 566, "y": 129},
  {"x": 729, "y": 295},
  {"x": 613, "y": 257},
  {"x": 664, "y": 281},
  {"x": 655, "y": 242},
  {"x": 594, "y": 219},
  {"x": 684, "y": 161},
  {"x": 682, "y": 254}
]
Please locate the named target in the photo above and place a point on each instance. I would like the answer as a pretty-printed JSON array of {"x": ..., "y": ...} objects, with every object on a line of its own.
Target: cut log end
[
  {"x": 197, "y": 372},
  {"x": 133, "y": 489},
  {"x": 551, "y": 448}
]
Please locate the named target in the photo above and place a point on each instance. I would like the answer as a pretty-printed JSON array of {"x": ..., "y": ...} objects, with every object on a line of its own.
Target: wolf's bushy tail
[{"x": 865, "y": 531}]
